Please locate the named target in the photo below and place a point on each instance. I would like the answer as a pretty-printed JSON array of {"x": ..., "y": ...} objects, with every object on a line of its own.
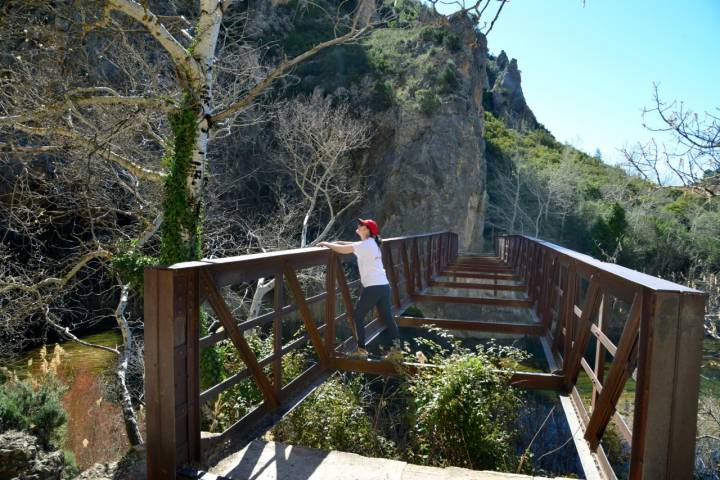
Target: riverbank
[{"x": 95, "y": 432}]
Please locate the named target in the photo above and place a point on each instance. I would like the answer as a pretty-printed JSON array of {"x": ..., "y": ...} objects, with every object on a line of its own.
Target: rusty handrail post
[
  {"x": 172, "y": 364},
  {"x": 666, "y": 400}
]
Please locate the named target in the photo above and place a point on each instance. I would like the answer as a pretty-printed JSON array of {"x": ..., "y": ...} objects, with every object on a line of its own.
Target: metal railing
[
  {"x": 173, "y": 297},
  {"x": 652, "y": 330},
  {"x": 594, "y": 319}
]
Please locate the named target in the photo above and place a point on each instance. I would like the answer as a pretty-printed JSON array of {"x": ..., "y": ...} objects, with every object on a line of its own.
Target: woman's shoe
[{"x": 360, "y": 354}]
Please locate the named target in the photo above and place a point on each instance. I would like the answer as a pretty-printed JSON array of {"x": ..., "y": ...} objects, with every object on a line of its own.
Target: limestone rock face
[
  {"x": 21, "y": 458},
  {"x": 132, "y": 466},
  {"x": 508, "y": 101},
  {"x": 426, "y": 172}
]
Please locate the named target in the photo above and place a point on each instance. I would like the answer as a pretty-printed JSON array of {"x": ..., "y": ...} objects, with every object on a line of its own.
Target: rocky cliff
[
  {"x": 427, "y": 164},
  {"x": 506, "y": 99},
  {"x": 427, "y": 83}
]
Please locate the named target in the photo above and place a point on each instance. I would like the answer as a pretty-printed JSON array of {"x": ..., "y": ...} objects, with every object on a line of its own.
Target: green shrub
[
  {"x": 387, "y": 52},
  {"x": 431, "y": 34},
  {"x": 383, "y": 97},
  {"x": 130, "y": 265},
  {"x": 465, "y": 413},
  {"x": 441, "y": 36},
  {"x": 609, "y": 230},
  {"x": 71, "y": 469},
  {"x": 452, "y": 42},
  {"x": 448, "y": 80},
  {"x": 334, "y": 418},
  {"x": 407, "y": 12},
  {"x": 461, "y": 413},
  {"x": 428, "y": 101},
  {"x": 413, "y": 311},
  {"x": 33, "y": 405},
  {"x": 235, "y": 402}
]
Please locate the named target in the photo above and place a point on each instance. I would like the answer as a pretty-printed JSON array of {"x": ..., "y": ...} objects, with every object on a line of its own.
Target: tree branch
[
  {"x": 280, "y": 70},
  {"x": 179, "y": 54},
  {"x": 65, "y": 331},
  {"x": 107, "y": 154},
  {"x": 60, "y": 282}
]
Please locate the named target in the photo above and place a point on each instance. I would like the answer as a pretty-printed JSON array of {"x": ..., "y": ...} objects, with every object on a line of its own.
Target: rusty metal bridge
[{"x": 652, "y": 330}]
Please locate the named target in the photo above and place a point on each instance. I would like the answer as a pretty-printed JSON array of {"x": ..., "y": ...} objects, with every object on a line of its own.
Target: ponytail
[{"x": 378, "y": 241}]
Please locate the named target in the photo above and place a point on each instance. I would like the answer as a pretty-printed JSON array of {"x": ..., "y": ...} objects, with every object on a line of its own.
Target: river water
[{"x": 76, "y": 356}]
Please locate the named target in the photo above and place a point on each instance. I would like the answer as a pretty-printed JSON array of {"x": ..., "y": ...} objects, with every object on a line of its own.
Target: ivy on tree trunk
[
  {"x": 180, "y": 234},
  {"x": 180, "y": 238}
]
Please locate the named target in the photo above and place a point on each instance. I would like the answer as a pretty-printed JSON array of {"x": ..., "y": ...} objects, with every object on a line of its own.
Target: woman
[{"x": 376, "y": 288}]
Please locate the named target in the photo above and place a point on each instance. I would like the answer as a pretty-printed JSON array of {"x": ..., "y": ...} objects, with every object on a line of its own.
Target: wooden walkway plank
[
  {"x": 480, "y": 276},
  {"x": 478, "y": 286},
  {"x": 475, "y": 325},
  {"x": 499, "y": 302}
]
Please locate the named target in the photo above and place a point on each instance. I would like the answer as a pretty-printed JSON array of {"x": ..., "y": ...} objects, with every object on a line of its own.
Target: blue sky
[{"x": 587, "y": 72}]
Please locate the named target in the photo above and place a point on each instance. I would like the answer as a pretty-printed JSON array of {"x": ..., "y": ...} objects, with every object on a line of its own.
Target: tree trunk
[
  {"x": 131, "y": 425},
  {"x": 261, "y": 290},
  {"x": 184, "y": 185},
  {"x": 129, "y": 416}
]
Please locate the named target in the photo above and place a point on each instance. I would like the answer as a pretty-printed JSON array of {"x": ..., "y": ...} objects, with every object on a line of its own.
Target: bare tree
[
  {"x": 121, "y": 97},
  {"x": 527, "y": 198},
  {"x": 316, "y": 141},
  {"x": 693, "y": 155},
  {"x": 60, "y": 234},
  {"x": 510, "y": 211},
  {"x": 474, "y": 9}
]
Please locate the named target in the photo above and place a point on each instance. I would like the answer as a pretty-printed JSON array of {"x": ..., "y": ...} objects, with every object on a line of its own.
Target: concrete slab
[{"x": 261, "y": 460}]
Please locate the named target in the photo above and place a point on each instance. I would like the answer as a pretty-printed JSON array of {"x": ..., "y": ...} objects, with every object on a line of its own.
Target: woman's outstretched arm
[{"x": 339, "y": 247}]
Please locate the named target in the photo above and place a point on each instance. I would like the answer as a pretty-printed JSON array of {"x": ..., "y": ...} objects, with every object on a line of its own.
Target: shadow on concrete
[{"x": 264, "y": 461}]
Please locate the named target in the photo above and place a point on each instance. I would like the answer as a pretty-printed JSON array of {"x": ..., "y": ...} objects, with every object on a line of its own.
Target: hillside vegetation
[{"x": 540, "y": 187}]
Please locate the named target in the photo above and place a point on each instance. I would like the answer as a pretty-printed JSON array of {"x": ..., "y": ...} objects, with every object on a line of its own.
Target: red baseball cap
[{"x": 371, "y": 225}]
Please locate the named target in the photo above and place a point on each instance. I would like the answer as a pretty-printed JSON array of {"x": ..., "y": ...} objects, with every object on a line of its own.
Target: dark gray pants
[{"x": 376, "y": 295}]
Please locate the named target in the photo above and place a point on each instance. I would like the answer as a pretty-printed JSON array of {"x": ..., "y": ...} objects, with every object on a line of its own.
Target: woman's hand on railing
[{"x": 339, "y": 247}]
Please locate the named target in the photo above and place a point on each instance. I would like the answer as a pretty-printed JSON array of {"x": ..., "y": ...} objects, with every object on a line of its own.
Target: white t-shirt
[{"x": 369, "y": 263}]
